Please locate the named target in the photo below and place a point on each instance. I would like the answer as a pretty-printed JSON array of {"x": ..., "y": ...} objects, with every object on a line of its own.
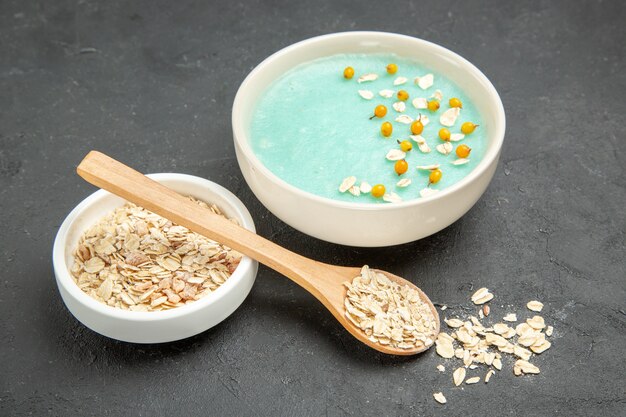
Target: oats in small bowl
[
  {"x": 137, "y": 260},
  {"x": 134, "y": 276}
]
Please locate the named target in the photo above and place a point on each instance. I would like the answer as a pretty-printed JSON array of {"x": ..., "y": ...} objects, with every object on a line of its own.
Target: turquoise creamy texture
[{"x": 312, "y": 129}]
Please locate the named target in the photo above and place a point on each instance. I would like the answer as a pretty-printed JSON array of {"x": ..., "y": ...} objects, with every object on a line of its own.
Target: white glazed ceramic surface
[
  {"x": 158, "y": 326},
  {"x": 360, "y": 224}
]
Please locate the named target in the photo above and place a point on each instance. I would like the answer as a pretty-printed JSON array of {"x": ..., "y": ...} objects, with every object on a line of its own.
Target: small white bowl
[
  {"x": 157, "y": 326},
  {"x": 360, "y": 224}
]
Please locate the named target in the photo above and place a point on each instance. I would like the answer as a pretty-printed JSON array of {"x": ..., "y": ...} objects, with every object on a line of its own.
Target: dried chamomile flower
[
  {"x": 468, "y": 127},
  {"x": 463, "y": 151},
  {"x": 378, "y": 191}
]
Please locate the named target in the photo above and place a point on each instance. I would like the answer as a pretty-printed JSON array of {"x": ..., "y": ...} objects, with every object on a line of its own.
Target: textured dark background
[{"x": 152, "y": 83}]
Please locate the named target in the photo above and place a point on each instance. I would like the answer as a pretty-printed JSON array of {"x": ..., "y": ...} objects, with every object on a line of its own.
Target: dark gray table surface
[{"x": 152, "y": 83}]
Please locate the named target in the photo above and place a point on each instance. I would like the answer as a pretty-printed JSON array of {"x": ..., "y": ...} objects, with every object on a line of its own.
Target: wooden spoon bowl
[{"x": 322, "y": 280}]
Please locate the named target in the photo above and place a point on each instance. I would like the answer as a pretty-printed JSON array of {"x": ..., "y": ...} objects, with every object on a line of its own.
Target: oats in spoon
[{"x": 387, "y": 312}]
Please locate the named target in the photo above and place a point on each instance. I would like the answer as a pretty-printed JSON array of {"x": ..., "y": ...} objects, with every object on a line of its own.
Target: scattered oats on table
[
  {"x": 472, "y": 380},
  {"x": 133, "y": 259},
  {"x": 489, "y": 374},
  {"x": 477, "y": 344},
  {"x": 439, "y": 397},
  {"x": 535, "y": 306},
  {"x": 458, "y": 376},
  {"x": 482, "y": 296},
  {"x": 510, "y": 317},
  {"x": 387, "y": 312}
]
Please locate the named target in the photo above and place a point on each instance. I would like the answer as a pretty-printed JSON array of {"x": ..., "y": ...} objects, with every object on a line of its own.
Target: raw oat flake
[{"x": 133, "y": 259}]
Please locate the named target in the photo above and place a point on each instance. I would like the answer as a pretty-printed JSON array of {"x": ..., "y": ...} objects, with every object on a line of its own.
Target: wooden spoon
[{"x": 322, "y": 280}]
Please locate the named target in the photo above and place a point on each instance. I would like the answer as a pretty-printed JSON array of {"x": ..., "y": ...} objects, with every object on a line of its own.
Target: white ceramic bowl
[
  {"x": 157, "y": 326},
  {"x": 360, "y": 224}
]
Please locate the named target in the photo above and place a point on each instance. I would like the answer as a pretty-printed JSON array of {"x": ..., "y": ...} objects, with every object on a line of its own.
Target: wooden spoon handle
[
  {"x": 119, "y": 179},
  {"x": 322, "y": 280}
]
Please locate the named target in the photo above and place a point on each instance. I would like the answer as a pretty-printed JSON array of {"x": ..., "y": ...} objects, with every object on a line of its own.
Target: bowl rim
[
  {"x": 492, "y": 154},
  {"x": 64, "y": 278}
]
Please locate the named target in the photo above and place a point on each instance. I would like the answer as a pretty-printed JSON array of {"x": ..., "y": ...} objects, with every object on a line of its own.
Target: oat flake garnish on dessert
[
  {"x": 399, "y": 106},
  {"x": 448, "y": 118},
  {"x": 347, "y": 183},
  {"x": 427, "y": 192},
  {"x": 404, "y": 182},
  {"x": 354, "y": 190},
  {"x": 437, "y": 95},
  {"x": 404, "y": 119},
  {"x": 392, "y": 198},
  {"x": 365, "y": 187},
  {"x": 421, "y": 143},
  {"x": 367, "y": 77},
  {"x": 428, "y": 167},
  {"x": 460, "y": 161},
  {"x": 395, "y": 155},
  {"x": 400, "y": 81},
  {"x": 420, "y": 103},
  {"x": 444, "y": 148},
  {"x": 425, "y": 82},
  {"x": 366, "y": 94}
]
